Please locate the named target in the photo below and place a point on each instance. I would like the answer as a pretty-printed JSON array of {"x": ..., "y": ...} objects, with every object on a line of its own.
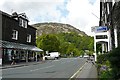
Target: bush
[
  {"x": 101, "y": 59},
  {"x": 112, "y": 62},
  {"x": 114, "y": 58}
]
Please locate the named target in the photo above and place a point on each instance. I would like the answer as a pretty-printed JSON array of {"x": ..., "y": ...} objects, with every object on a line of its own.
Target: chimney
[{"x": 14, "y": 15}]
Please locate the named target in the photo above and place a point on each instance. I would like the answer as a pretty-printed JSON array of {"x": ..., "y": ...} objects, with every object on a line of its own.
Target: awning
[
  {"x": 36, "y": 49},
  {"x": 12, "y": 45}
]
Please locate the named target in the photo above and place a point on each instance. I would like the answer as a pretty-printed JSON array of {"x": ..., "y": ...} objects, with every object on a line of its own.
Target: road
[{"x": 62, "y": 68}]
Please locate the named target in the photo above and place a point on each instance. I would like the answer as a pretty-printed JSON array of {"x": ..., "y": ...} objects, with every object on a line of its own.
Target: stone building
[{"x": 17, "y": 38}]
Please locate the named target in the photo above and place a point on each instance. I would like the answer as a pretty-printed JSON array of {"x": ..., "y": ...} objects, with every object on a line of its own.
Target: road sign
[{"x": 99, "y": 29}]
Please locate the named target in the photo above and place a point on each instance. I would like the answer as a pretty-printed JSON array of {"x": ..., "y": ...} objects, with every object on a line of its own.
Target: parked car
[
  {"x": 91, "y": 58},
  {"x": 81, "y": 56},
  {"x": 86, "y": 56},
  {"x": 52, "y": 55}
]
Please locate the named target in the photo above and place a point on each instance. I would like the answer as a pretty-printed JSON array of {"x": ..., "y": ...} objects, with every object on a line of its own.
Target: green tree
[
  {"x": 66, "y": 43},
  {"x": 66, "y": 48},
  {"x": 48, "y": 42},
  {"x": 82, "y": 52},
  {"x": 63, "y": 48},
  {"x": 76, "y": 52}
]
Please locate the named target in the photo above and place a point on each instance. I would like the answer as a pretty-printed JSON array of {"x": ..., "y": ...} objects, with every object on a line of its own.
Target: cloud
[
  {"x": 75, "y": 12},
  {"x": 35, "y": 9},
  {"x": 80, "y": 14}
]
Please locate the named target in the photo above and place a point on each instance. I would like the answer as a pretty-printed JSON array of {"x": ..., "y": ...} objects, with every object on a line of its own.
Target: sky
[{"x": 82, "y": 14}]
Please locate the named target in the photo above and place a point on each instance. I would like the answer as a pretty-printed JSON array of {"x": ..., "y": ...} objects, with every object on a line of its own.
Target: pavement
[
  {"x": 88, "y": 71},
  {"x": 20, "y": 64}
]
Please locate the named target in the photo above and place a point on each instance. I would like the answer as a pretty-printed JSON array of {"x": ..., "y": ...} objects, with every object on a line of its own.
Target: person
[{"x": 13, "y": 59}]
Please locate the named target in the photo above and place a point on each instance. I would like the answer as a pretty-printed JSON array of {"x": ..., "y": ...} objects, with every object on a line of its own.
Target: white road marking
[
  {"x": 67, "y": 61},
  {"x": 16, "y": 67},
  {"x": 56, "y": 60},
  {"x": 77, "y": 72},
  {"x": 41, "y": 68}
]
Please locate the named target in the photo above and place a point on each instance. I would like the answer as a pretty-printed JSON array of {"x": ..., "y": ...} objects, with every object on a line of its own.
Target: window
[
  {"x": 28, "y": 38},
  {"x": 15, "y": 35},
  {"x": 102, "y": 37},
  {"x": 22, "y": 23}
]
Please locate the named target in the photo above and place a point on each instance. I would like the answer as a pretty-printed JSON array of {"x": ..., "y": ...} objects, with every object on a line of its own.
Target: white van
[{"x": 52, "y": 55}]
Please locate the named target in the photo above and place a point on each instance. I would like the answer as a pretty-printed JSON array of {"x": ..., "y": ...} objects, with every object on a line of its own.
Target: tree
[
  {"x": 48, "y": 42},
  {"x": 66, "y": 48},
  {"x": 76, "y": 52},
  {"x": 82, "y": 52},
  {"x": 66, "y": 43},
  {"x": 63, "y": 48}
]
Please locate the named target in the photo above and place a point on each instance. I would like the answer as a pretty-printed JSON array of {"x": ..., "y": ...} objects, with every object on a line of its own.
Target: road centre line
[
  {"x": 41, "y": 68},
  {"x": 66, "y": 62}
]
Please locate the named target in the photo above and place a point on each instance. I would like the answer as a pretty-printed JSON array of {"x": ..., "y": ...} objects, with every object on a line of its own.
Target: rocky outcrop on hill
[{"x": 48, "y": 28}]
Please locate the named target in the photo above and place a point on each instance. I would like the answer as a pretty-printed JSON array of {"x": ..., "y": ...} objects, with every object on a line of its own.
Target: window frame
[
  {"x": 22, "y": 23},
  {"x": 15, "y": 34},
  {"x": 29, "y": 38}
]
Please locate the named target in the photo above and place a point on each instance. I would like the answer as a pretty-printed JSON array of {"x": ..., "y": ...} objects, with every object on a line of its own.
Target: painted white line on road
[
  {"x": 16, "y": 67},
  {"x": 77, "y": 72},
  {"x": 67, "y": 61},
  {"x": 41, "y": 68},
  {"x": 56, "y": 60}
]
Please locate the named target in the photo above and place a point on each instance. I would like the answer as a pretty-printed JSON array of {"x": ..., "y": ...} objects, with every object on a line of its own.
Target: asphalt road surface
[{"x": 61, "y": 68}]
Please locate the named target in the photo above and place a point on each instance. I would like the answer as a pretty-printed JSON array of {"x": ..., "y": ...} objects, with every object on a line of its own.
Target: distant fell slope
[{"x": 48, "y": 28}]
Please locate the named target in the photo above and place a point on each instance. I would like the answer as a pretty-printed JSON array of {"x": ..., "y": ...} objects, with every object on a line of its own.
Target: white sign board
[{"x": 99, "y": 29}]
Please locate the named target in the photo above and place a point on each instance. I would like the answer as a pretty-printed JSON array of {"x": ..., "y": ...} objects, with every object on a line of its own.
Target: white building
[{"x": 102, "y": 36}]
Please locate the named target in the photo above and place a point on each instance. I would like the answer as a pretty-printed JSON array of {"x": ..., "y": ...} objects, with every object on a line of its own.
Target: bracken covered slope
[{"x": 47, "y": 28}]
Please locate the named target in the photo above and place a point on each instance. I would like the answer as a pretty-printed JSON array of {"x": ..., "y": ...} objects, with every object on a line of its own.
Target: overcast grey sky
[{"x": 74, "y": 12}]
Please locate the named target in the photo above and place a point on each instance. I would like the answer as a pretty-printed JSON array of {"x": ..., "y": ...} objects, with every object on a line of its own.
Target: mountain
[{"x": 48, "y": 28}]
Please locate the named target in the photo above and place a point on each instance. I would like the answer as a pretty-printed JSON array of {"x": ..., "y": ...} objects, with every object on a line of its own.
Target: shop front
[{"x": 22, "y": 52}]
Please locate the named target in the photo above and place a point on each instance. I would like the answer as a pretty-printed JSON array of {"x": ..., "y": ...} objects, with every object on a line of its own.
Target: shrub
[
  {"x": 114, "y": 58},
  {"x": 112, "y": 62}
]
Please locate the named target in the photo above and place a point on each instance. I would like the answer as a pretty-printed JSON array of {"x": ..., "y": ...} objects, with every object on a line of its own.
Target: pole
[
  {"x": 27, "y": 56},
  {"x": 36, "y": 56}
]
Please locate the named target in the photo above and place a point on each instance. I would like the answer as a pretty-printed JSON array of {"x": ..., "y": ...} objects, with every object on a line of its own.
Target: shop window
[{"x": 23, "y": 55}]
